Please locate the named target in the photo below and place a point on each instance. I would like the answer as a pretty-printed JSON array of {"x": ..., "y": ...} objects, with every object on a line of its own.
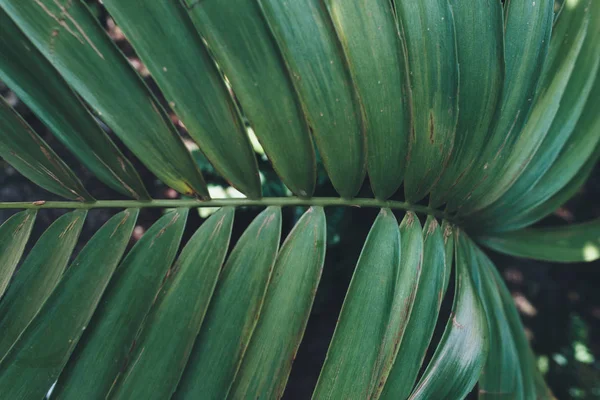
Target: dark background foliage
[{"x": 559, "y": 304}]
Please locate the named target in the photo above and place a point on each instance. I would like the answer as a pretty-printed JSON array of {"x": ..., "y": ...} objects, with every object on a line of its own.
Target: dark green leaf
[
  {"x": 427, "y": 28},
  {"x": 171, "y": 328},
  {"x": 419, "y": 328},
  {"x": 14, "y": 234},
  {"x": 353, "y": 356},
  {"x": 27, "y": 72},
  {"x": 242, "y": 44},
  {"x": 41, "y": 353},
  {"x": 233, "y": 312},
  {"x": 480, "y": 46},
  {"x": 313, "y": 55},
  {"x": 102, "y": 352},
  {"x": 37, "y": 278},
  {"x": 168, "y": 44},
  {"x": 268, "y": 361},
  {"x": 369, "y": 35},
  {"x": 462, "y": 352},
  {"x": 68, "y": 35},
  {"x": 25, "y": 150},
  {"x": 569, "y": 244}
]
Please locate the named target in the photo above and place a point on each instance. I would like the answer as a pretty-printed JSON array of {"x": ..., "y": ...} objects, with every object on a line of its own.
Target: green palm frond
[{"x": 479, "y": 117}]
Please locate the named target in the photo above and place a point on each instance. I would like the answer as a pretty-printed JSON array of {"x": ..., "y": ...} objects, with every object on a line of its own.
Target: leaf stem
[{"x": 264, "y": 202}]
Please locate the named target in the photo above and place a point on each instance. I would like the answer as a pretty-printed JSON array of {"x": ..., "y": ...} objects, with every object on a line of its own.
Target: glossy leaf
[
  {"x": 462, "y": 351},
  {"x": 427, "y": 28},
  {"x": 14, "y": 234},
  {"x": 352, "y": 359},
  {"x": 103, "y": 349},
  {"x": 29, "y": 154},
  {"x": 527, "y": 30},
  {"x": 567, "y": 41},
  {"x": 37, "y": 278},
  {"x": 233, "y": 312},
  {"x": 244, "y": 48},
  {"x": 68, "y": 35},
  {"x": 368, "y": 32},
  {"x": 168, "y": 44},
  {"x": 313, "y": 55},
  {"x": 27, "y": 72},
  {"x": 479, "y": 27},
  {"x": 419, "y": 328},
  {"x": 54, "y": 333},
  {"x": 571, "y": 108},
  {"x": 177, "y": 313},
  {"x": 268, "y": 361},
  {"x": 569, "y": 244}
]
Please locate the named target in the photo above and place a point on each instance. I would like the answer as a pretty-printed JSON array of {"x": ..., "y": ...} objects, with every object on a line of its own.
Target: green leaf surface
[
  {"x": 419, "y": 328},
  {"x": 448, "y": 230},
  {"x": 165, "y": 39},
  {"x": 177, "y": 313},
  {"x": 38, "y": 357},
  {"x": 352, "y": 360},
  {"x": 312, "y": 52},
  {"x": 29, "y": 154},
  {"x": 567, "y": 41},
  {"x": 368, "y": 32},
  {"x": 527, "y": 30},
  {"x": 462, "y": 351},
  {"x": 564, "y": 177},
  {"x": 501, "y": 376},
  {"x": 69, "y": 36},
  {"x": 427, "y": 29},
  {"x": 244, "y": 48},
  {"x": 479, "y": 27},
  {"x": 27, "y": 72},
  {"x": 568, "y": 244},
  {"x": 37, "y": 278},
  {"x": 571, "y": 108},
  {"x": 268, "y": 361},
  {"x": 103, "y": 350},
  {"x": 233, "y": 311},
  {"x": 14, "y": 234}
]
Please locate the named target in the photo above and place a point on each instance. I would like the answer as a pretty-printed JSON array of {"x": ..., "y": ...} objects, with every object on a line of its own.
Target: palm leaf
[{"x": 487, "y": 110}]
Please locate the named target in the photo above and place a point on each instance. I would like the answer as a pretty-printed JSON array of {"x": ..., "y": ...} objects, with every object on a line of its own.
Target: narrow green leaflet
[
  {"x": 427, "y": 29},
  {"x": 27, "y": 72},
  {"x": 479, "y": 29},
  {"x": 158, "y": 360},
  {"x": 501, "y": 376},
  {"x": 68, "y": 35},
  {"x": 571, "y": 108},
  {"x": 233, "y": 311},
  {"x": 314, "y": 57},
  {"x": 536, "y": 213},
  {"x": 448, "y": 231},
  {"x": 29, "y": 154},
  {"x": 567, "y": 41},
  {"x": 527, "y": 29},
  {"x": 533, "y": 384},
  {"x": 53, "y": 334},
  {"x": 462, "y": 351},
  {"x": 368, "y": 33},
  {"x": 419, "y": 328},
  {"x": 102, "y": 352},
  {"x": 244, "y": 48},
  {"x": 37, "y": 278},
  {"x": 405, "y": 290},
  {"x": 14, "y": 234},
  {"x": 570, "y": 167},
  {"x": 168, "y": 44},
  {"x": 268, "y": 361},
  {"x": 354, "y": 352},
  {"x": 568, "y": 244}
]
